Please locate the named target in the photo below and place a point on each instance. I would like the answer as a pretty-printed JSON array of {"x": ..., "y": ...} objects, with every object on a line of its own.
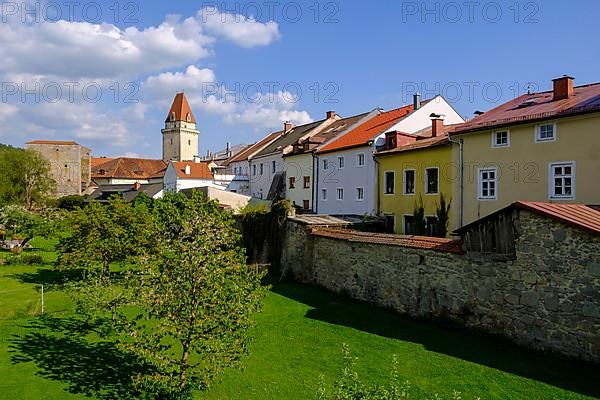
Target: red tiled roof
[
  {"x": 54, "y": 142},
  {"x": 96, "y": 161},
  {"x": 579, "y": 215},
  {"x": 536, "y": 106},
  {"x": 362, "y": 134},
  {"x": 423, "y": 141},
  {"x": 415, "y": 242},
  {"x": 129, "y": 168},
  {"x": 181, "y": 108},
  {"x": 256, "y": 147},
  {"x": 198, "y": 170}
]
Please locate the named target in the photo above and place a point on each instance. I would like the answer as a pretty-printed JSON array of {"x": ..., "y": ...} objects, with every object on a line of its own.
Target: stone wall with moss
[{"x": 546, "y": 297}]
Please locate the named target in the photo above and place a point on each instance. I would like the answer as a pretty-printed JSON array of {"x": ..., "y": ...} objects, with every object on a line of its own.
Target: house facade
[
  {"x": 188, "y": 175},
  {"x": 347, "y": 170},
  {"x": 300, "y": 164},
  {"x": 266, "y": 166},
  {"x": 416, "y": 171},
  {"x": 541, "y": 147}
]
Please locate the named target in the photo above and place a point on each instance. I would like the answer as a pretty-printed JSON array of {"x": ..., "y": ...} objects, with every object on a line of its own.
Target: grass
[{"x": 298, "y": 337}]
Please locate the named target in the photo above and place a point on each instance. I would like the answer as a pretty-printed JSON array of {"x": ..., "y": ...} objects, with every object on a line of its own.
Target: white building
[
  {"x": 188, "y": 175},
  {"x": 300, "y": 165},
  {"x": 266, "y": 166},
  {"x": 346, "y": 172}
]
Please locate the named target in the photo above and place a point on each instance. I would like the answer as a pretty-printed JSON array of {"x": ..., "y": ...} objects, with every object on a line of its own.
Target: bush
[
  {"x": 23, "y": 259},
  {"x": 70, "y": 203}
]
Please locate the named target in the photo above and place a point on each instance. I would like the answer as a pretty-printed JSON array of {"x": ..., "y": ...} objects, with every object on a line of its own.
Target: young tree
[
  {"x": 443, "y": 216},
  {"x": 24, "y": 225},
  {"x": 419, "y": 218},
  {"x": 196, "y": 296},
  {"x": 105, "y": 234},
  {"x": 25, "y": 178}
]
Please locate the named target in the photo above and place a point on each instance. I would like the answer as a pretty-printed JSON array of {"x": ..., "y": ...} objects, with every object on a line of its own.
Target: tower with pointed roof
[{"x": 180, "y": 135}]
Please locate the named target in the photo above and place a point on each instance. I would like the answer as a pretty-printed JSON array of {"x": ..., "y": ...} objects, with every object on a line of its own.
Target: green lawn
[{"x": 298, "y": 337}]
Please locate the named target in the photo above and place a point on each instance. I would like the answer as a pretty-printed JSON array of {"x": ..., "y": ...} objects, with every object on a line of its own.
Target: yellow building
[
  {"x": 538, "y": 147},
  {"x": 414, "y": 169}
]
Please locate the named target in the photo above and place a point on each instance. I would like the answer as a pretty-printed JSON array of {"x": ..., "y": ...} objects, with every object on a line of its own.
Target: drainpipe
[
  {"x": 315, "y": 161},
  {"x": 378, "y": 209},
  {"x": 460, "y": 144}
]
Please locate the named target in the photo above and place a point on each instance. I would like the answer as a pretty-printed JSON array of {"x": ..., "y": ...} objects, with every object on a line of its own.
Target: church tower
[{"x": 180, "y": 135}]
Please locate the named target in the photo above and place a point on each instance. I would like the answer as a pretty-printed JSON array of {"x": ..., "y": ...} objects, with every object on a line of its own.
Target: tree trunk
[{"x": 184, "y": 364}]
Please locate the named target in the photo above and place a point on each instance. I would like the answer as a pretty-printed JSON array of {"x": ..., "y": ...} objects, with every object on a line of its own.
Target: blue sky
[{"x": 351, "y": 56}]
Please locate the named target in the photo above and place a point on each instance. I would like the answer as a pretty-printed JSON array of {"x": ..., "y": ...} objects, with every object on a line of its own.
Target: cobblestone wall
[{"x": 546, "y": 297}]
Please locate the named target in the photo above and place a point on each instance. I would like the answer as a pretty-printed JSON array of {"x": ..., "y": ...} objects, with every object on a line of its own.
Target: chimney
[
  {"x": 417, "y": 101},
  {"x": 331, "y": 114},
  {"x": 437, "y": 124},
  {"x": 137, "y": 186},
  {"x": 228, "y": 150},
  {"x": 196, "y": 159},
  {"x": 188, "y": 169},
  {"x": 287, "y": 126},
  {"x": 563, "y": 87}
]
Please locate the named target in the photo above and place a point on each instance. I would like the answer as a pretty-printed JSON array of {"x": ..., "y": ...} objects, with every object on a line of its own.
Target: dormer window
[
  {"x": 188, "y": 117},
  {"x": 173, "y": 117}
]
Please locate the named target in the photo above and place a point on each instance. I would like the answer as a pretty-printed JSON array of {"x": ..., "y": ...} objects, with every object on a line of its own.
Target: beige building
[
  {"x": 70, "y": 164},
  {"x": 180, "y": 135},
  {"x": 542, "y": 147}
]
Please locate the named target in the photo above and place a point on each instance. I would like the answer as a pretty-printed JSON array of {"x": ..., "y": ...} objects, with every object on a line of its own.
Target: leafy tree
[
  {"x": 70, "y": 203},
  {"x": 196, "y": 296},
  {"x": 105, "y": 234},
  {"x": 22, "y": 224},
  {"x": 443, "y": 216},
  {"x": 419, "y": 218},
  {"x": 25, "y": 178}
]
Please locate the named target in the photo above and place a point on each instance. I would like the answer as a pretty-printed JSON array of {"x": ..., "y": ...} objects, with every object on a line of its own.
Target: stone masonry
[{"x": 547, "y": 296}]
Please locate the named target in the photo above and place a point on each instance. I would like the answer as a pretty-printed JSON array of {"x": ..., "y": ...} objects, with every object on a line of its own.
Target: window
[
  {"x": 340, "y": 194},
  {"x": 360, "y": 193},
  {"x": 307, "y": 182},
  {"x": 341, "y": 162},
  {"x": 409, "y": 225},
  {"x": 324, "y": 194},
  {"x": 273, "y": 166},
  {"x": 431, "y": 226},
  {"x": 545, "y": 133},
  {"x": 431, "y": 181},
  {"x": 389, "y": 184},
  {"x": 562, "y": 180},
  {"x": 500, "y": 139},
  {"x": 254, "y": 170},
  {"x": 189, "y": 142},
  {"x": 409, "y": 181},
  {"x": 360, "y": 160},
  {"x": 487, "y": 184},
  {"x": 325, "y": 165},
  {"x": 261, "y": 168},
  {"x": 292, "y": 182},
  {"x": 306, "y": 204}
]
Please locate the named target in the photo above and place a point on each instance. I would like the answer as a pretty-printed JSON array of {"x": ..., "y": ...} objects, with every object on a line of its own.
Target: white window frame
[
  {"x": 341, "y": 162},
  {"x": 551, "y": 177},
  {"x": 363, "y": 193},
  {"x": 537, "y": 133},
  {"x": 404, "y": 192},
  {"x": 385, "y": 183},
  {"x": 426, "y": 181},
  {"x": 358, "y": 156},
  {"x": 337, "y": 192},
  {"x": 324, "y": 194},
  {"x": 480, "y": 172},
  {"x": 495, "y": 136},
  {"x": 325, "y": 164}
]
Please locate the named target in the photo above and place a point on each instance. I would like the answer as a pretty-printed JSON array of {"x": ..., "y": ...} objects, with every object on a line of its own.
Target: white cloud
[
  {"x": 7, "y": 110},
  {"x": 165, "y": 85},
  {"x": 239, "y": 29}
]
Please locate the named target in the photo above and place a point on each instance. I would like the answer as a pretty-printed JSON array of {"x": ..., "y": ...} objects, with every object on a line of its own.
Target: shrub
[
  {"x": 70, "y": 203},
  {"x": 23, "y": 259}
]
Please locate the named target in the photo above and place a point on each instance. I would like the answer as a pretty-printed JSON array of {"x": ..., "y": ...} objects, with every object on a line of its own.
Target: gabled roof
[
  {"x": 365, "y": 132},
  {"x": 128, "y": 168},
  {"x": 181, "y": 108},
  {"x": 198, "y": 170},
  {"x": 288, "y": 139},
  {"x": 331, "y": 132},
  {"x": 535, "y": 107},
  {"x": 582, "y": 216},
  {"x": 256, "y": 147},
  {"x": 96, "y": 161},
  {"x": 424, "y": 140},
  {"x": 129, "y": 192},
  {"x": 54, "y": 142}
]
